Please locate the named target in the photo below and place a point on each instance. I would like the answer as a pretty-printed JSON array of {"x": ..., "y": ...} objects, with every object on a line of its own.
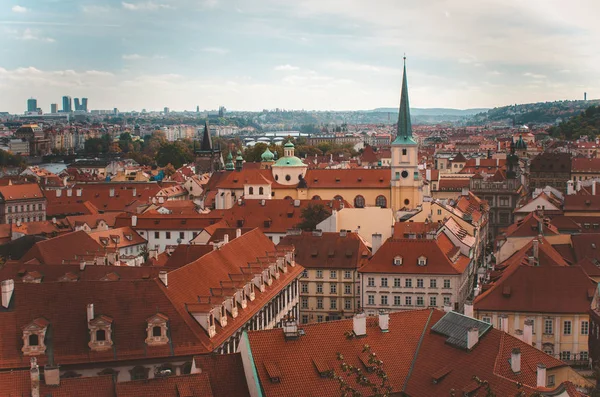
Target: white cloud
[
  {"x": 215, "y": 50},
  {"x": 28, "y": 34},
  {"x": 286, "y": 67},
  {"x": 145, "y": 6},
  {"x": 351, "y": 66},
  {"x": 131, "y": 57},
  {"x": 534, "y": 75},
  {"x": 19, "y": 9},
  {"x": 94, "y": 9}
]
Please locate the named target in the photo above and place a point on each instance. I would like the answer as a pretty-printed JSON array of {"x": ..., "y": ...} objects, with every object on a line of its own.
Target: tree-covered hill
[{"x": 585, "y": 123}]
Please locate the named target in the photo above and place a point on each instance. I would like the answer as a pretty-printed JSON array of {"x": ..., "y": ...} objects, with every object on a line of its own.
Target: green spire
[
  {"x": 229, "y": 164},
  {"x": 404, "y": 133}
]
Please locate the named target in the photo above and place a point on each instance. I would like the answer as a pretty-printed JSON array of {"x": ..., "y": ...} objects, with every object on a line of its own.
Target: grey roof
[{"x": 455, "y": 326}]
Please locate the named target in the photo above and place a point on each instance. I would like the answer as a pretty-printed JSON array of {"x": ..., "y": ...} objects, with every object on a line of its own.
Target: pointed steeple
[
  {"x": 206, "y": 139},
  {"x": 404, "y": 132}
]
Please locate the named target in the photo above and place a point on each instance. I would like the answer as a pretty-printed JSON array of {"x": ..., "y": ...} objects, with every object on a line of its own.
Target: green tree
[
  {"x": 312, "y": 215},
  {"x": 173, "y": 153}
]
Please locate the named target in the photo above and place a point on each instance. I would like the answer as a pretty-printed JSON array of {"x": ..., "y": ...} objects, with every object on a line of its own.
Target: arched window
[
  {"x": 261, "y": 190},
  {"x": 316, "y": 197},
  {"x": 34, "y": 340},
  {"x": 338, "y": 197},
  {"x": 139, "y": 372},
  {"x": 250, "y": 190},
  {"x": 359, "y": 201},
  {"x": 287, "y": 198},
  {"x": 288, "y": 178},
  {"x": 381, "y": 201},
  {"x": 100, "y": 335}
]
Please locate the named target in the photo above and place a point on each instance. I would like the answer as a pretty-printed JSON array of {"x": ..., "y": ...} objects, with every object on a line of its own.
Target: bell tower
[{"x": 406, "y": 185}]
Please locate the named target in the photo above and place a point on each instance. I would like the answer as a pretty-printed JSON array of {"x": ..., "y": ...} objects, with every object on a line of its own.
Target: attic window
[
  {"x": 337, "y": 180},
  {"x": 331, "y": 253},
  {"x": 156, "y": 330},
  {"x": 422, "y": 261},
  {"x": 34, "y": 334},
  {"x": 273, "y": 372},
  {"x": 100, "y": 329},
  {"x": 506, "y": 291},
  {"x": 240, "y": 222},
  {"x": 398, "y": 261},
  {"x": 360, "y": 179}
]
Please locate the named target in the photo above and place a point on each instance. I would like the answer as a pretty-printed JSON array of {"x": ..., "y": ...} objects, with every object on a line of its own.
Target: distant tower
[
  {"x": 406, "y": 178},
  {"x": 53, "y": 108},
  {"x": 585, "y": 96},
  {"x": 84, "y": 104},
  {"x": 208, "y": 158},
  {"x": 197, "y": 109},
  {"x": 166, "y": 110},
  {"x": 77, "y": 104},
  {"x": 31, "y": 105},
  {"x": 67, "y": 106}
]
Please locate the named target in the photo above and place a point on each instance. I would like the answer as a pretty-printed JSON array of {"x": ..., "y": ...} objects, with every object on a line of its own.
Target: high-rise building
[
  {"x": 53, "y": 108},
  {"x": 197, "y": 109},
  {"x": 67, "y": 106},
  {"x": 166, "y": 110},
  {"x": 32, "y": 105},
  {"x": 77, "y": 105},
  {"x": 84, "y": 104}
]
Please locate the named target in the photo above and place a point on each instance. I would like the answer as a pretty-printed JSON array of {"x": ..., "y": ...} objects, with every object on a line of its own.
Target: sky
[{"x": 296, "y": 54}]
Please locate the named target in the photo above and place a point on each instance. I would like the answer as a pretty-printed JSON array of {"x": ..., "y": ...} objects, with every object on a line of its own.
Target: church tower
[{"x": 406, "y": 189}]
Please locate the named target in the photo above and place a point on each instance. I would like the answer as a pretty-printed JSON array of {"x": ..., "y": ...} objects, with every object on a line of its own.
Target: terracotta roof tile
[{"x": 63, "y": 247}]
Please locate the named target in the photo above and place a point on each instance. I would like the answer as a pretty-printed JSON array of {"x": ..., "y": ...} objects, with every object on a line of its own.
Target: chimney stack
[
  {"x": 90, "y": 312},
  {"x": 162, "y": 275},
  {"x": 225, "y": 238},
  {"x": 472, "y": 337},
  {"x": 447, "y": 307},
  {"x": 570, "y": 189},
  {"x": 82, "y": 265},
  {"x": 384, "y": 321},
  {"x": 376, "y": 242},
  {"x": 515, "y": 360},
  {"x": 34, "y": 374},
  {"x": 52, "y": 375},
  {"x": 133, "y": 220},
  {"x": 58, "y": 192},
  {"x": 8, "y": 287},
  {"x": 541, "y": 375},
  {"x": 111, "y": 192},
  {"x": 528, "y": 332},
  {"x": 536, "y": 251},
  {"x": 359, "y": 324},
  {"x": 134, "y": 192},
  {"x": 468, "y": 310},
  {"x": 238, "y": 232}
]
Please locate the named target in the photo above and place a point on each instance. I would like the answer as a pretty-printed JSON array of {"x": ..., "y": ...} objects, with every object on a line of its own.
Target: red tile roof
[
  {"x": 583, "y": 164},
  {"x": 118, "y": 238},
  {"x": 151, "y": 221},
  {"x": 404, "y": 229},
  {"x": 452, "y": 184},
  {"x": 226, "y": 374},
  {"x": 328, "y": 250},
  {"x": 25, "y": 191},
  {"x": 64, "y": 247},
  {"x": 584, "y": 203},
  {"x": 529, "y": 227},
  {"x": 360, "y": 178},
  {"x": 194, "y": 385},
  {"x": 187, "y": 253}
]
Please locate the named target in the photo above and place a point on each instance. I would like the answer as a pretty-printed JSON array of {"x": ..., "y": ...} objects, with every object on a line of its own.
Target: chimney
[
  {"x": 8, "y": 287},
  {"x": 58, "y": 192},
  {"x": 465, "y": 191},
  {"x": 528, "y": 332},
  {"x": 359, "y": 324},
  {"x": 536, "y": 251},
  {"x": 52, "y": 375},
  {"x": 18, "y": 223},
  {"x": 472, "y": 337},
  {"x": 317, "y": 233},
  {"x": 477, "y": 162},
  {"x": 162, "y": 275},
  {"x": 111, "y": 192},
  {"x": 447, "y": 307},
  {"x": 34, "y": 374},
  {"x": 69, "y": 192},
  {"x": 377, "y": 240},
  {"x": 161, "y": 200},
  {"x": 134, "y": 192},
  {"x": 570, "y": 189},
  {"x": 541, "y": 375},
  {"x": 428, "y": 174},
  {"x": 384, "y": 321},
  {"x": 82, "y": 265},
  {"x": 238, "y": 233},
  {"x": 578, "y": 186},
  {"x": 134, "y": 220},
  {"x": 468, "y": 309},
  {"x": 225, "y": 239},
  {"x": 90, "y": 312},
  {"x": 515, "y": 360},
  {"x": 504, "y": 323},
  {"x": 262, "y": 202},
  {"x": 343, "y": 232},
  {"x": 54, "y": 220}
]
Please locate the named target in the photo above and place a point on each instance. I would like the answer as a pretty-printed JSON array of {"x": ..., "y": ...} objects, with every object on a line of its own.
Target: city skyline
[{"x": 307, "y": 55}]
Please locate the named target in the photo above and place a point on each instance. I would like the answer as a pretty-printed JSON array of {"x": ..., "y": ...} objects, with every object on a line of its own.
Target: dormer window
[
  {"x": 34, "y": 334},
  {"x": 156, "y": 330},
  {"x": 398, "y": 261},
  {"x": 422, "y": 261},
  {"x": 100, "y": 328}
]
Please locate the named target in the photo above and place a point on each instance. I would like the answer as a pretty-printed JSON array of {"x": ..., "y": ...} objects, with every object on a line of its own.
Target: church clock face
[{"x": 404, "y": 174}]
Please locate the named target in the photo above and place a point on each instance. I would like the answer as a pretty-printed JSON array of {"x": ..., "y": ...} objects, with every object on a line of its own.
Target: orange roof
[
  {"x": 118, "y": 238},
  {"x": 64, "y": 247},
  {"x": 26, "y": 191},
  {"x": 194, "y": 385},
  {"x": 529, "y": 227}
]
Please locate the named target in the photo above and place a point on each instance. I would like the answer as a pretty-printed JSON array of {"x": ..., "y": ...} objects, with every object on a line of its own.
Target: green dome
[
  {"x": 229, "y": 164},
  {"x": 267, "y": 155},
  {"x": 289, "y": 144},
  {"x": 289, "y": 162}
]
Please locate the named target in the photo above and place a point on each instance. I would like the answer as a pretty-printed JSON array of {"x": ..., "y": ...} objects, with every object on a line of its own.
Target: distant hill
[
  {"x": 535, "y": 113},
  {"x": 435, "y": 111},
  {"x": 585, "y": 123}
]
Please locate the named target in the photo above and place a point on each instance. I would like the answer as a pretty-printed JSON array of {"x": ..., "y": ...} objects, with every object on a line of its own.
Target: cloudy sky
[{"x": 296, "y": 54}]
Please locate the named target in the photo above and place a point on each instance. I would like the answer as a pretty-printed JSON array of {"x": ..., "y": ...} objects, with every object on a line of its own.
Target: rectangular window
[
  {"x": 304, "y": 303},
  {"x": 347, "y": 274},
  {"x": 439, "y": 212},
  {"x": 408, "y": 300},
  {"x": 384, "y": 300},
  {"x": 397, "y": 300},
  {"x": 319, "y": 303},
  {"x": 305, "y": 288},
  {"x": 333, "y": 304},
  {"x": 371, "y": 299},
  {"x": 419, "y": 283},
  {"x": 319, "y": 273},
  {"x": 420, "y": 301},
  {"x": 397, "y": 283},
  {"x": 585, "y": 328},
  {"x": 384, "y": 282},
  {"x": 333, "y": 288},
  {"x": 433, "y": 301},
  {"x": 446, "y": 301},
  {"x": 397, "y": 175},
  {"x": 182, "y": 235},
  {"x": 565, "y": 355},
  {"x": 347, "y": 304},
  {"x": 319, "y": 288},
  {"x": 168, "y": 234},
  {"x": 486, "y": 320},
  {"x": 548, "y": 326},
  {"x": 404, "y": 152},
  {"x": 371, "y": 281},
  {"x": 583, "y": 356},
  {"x": 408, "y": 283},
  {"x": 333, "y": 274},
  {"x": 305, "y": 273},
  {"x": 567, "y": 328},
  {"x": 551, "y": 380},
  {"x": 305, "y": 319},
  {"x": 319, "y": 318},
  {"x": 433, "y": 283},
  {"x": 156, "y": 234},
  {"x": 446, "y": 283},
  {"x": 347, "y": 289}
]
